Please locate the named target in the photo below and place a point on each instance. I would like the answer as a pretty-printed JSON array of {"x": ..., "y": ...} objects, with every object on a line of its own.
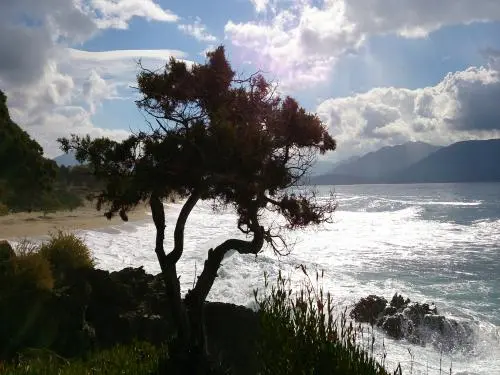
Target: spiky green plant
[
  {"x": 134, "y": 359},
  {"x": 300, "y": 334}
]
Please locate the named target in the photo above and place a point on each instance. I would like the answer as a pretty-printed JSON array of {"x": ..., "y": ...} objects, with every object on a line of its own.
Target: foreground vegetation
[
  {"x": 297, "y": 332},
  {"x": 137, "y": 359},
  {"x": 301, "y": 335}
]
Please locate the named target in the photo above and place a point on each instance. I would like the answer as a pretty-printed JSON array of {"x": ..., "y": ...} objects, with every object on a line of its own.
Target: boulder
[
  {"x": 6, "y": 251},
  {"x": 393, "y": 325},
  {"x": 418, "y": 323},
  {"x": 369, "y": 309}
]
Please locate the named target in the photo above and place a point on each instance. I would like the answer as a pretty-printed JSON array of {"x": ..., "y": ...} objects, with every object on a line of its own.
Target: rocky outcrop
[
  {"x": 6, "y": 251},
  {"x": 419, "y": 323},
  {"x": 97, "y": 309},
  {"x": 368, "y": 309}
]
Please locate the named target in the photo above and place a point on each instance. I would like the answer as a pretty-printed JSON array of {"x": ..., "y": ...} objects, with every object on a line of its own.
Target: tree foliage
[
  {"x": 28, "y": 180},
  {"x": 212, "y": 136},
  {"x": 24, "y": 173}
]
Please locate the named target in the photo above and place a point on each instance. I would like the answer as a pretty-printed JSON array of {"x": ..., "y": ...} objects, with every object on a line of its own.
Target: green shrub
[
  {"x": 134, "y": 359},
  {"x": 66, "y": 252},
  {"x": 4, "y": 210},
  {"x": 69, "y": 200},
  {"x": 299, "y": 335},
  {"x": 28, "y": 272}
]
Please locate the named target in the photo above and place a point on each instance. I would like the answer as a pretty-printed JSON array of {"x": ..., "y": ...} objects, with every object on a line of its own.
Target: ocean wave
[
  {"x": 433, "y": 203},
  {"x": 375, "y": 245}
]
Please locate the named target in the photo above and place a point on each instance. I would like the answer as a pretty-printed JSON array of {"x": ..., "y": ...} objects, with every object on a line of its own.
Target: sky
[{"x": 377, "y": 72}]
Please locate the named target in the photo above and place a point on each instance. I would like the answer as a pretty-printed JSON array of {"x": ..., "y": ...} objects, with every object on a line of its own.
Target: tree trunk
[
  {"x": 176, "y": 308},
  {"x": 190, "y": 348},
  {"x": 195, "y": 298}
]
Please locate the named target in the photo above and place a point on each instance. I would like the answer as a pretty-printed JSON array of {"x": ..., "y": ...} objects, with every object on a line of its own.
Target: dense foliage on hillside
[
  {"x": 29, "y": 181},
  {"x": 25, "y": 175}
]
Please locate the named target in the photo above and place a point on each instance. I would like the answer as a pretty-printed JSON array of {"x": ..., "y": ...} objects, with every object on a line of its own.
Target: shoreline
[{"x": 18, "y": 226}]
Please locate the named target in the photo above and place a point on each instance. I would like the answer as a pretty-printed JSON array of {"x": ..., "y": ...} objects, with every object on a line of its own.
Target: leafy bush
[
  {"x": 4, "y": 210},
  {"x": 300, "y": 336},
  {"x": 69, "y": 200},
  {"x": 28, "y": 272},
  {"x": 135, "y": 359},
  {"x": 66, "y": 252}
]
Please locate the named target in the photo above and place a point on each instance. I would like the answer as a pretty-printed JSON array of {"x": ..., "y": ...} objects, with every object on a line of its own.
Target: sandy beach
[{"x": 23, "y": 225}]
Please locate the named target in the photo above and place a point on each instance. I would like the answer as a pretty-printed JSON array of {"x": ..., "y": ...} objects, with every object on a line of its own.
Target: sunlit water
[{"x": 432, "y": 242}]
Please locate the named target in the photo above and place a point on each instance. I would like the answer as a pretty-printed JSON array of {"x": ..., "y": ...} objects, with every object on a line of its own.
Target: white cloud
[
  {"x": 119, "y": 63},
  {"x": 260, "y": 5},
  {"x": 301, "y": 41},
  {"x": 464, "y": 105},
  {"x": 198, "y": 31},
  {"x": 118, "y": 13},
  {"x": 54, "y": 90}
]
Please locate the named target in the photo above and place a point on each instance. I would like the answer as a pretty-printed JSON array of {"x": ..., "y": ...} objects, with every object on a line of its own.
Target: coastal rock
[
  {"x": 97, "y": 309},
  {"x": 393, "y": 325},
  {"x": 369, "y": 309},
  {"x": 398, "y": 301},
  {"x": 419, "y": 323},
  {"x": 6, "y": 251}
]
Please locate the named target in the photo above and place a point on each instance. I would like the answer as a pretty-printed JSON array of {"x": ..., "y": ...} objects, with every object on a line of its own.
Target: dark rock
[
  {"x": 6, "y": 254},
  {"x": 434, "y": 322},
  {"x": 416, "y": 322},
  {"x": 6, "y": 251},
  {"x": 398, "y": 301},
  {"x": 369, "y": 309},
  {"x": 232, "y": 333},
  {"x": 393, "y": 325},
  {"x": 97, "y": 309},
  {"x": 389, "y": 310}
]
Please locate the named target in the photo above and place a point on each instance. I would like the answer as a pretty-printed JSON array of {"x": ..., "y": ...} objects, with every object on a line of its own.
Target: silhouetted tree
[{"x": 212, "y": 137}]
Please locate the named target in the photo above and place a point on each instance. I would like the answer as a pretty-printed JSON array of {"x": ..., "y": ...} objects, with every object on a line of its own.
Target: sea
[{"x": 435, "y": 243}]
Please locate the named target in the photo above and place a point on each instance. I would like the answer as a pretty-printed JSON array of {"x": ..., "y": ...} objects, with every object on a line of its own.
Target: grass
[
  {"x": 135, "y": 359},
  {"x": 300, "y": 335}
]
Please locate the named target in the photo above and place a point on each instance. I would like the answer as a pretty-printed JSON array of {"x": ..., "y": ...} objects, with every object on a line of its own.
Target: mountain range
[
  {"x": 418, "y": 162},
  {"x": 411, "y": 162}
]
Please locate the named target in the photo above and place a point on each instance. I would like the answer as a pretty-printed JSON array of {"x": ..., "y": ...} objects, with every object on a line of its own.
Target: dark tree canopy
[
  {"x": 24, "y": 173},
  {"x": 212, "y": 136}
]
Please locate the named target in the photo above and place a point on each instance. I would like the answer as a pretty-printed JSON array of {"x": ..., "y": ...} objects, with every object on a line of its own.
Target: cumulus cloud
[
  {"x": 301, "y": 41},
  {"x": 464, "y": 105},
  {"x": 53, "y": 90},
  {"x": 260, "y": 5},
  {"x": 110, "y": 74},
  {"x": 118, "y": 13},
  {"x": 197, "y": 30}
]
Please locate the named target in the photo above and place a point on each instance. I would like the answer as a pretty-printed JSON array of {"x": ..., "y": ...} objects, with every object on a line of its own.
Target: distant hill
[
  {"x": 468, "y": 161},
  {"x": 387, "y": 160},
  {"x": 337, "y": 179},
  {"x": 322, "y": 167},
  {"x": 67, "y": 160}
]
